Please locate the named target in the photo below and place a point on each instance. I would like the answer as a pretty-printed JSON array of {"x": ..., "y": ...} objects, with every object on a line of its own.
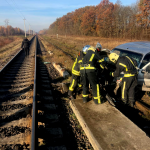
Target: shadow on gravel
[
  {"x": 58, "y": 80},
  {"x": 22, "y": 113}
]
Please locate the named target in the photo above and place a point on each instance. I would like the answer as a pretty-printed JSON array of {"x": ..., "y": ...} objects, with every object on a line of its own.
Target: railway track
[
  {"x": 16, "y": 92},
  {"x": 29, "y": 114}
]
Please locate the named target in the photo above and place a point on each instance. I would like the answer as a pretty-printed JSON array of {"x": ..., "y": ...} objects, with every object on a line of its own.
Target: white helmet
[
  {"x": 85, "y": 49},
  {"x": 98, "y": 47}
]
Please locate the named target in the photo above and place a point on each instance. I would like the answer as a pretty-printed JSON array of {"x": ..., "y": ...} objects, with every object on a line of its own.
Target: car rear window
[{"x": 133, "y": 55}]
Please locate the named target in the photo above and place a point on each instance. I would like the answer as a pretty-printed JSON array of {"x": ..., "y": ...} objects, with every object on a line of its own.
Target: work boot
[
  {"x": 85, "y": 99},
  {"x": 124, "y": 101},
  {"x": 131, "y": 103},
  {"x": 70, "y": 94}
]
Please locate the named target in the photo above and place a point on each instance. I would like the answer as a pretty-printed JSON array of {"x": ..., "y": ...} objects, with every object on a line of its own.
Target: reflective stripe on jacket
[
  {"x": 76, "y": 64},
  {"x": 90, "y": 61},
  {"x": 127, "y": 65}
]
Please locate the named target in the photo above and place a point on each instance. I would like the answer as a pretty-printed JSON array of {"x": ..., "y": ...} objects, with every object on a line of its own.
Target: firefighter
[
  {"x": 129, "y": 67},
  {"x": 102, "y": 71},
  {"x": 89, "y": 75},
  {"x": 76, "y": 71},
  {"x": 25, "y": 45}
]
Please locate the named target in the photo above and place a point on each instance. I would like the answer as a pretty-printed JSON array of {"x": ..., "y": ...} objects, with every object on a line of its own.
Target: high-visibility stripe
[
  {"x": 124, "y": 66},
  {"x": 82, "y": 68},
  {"x": 85, "y": 95},
  {"x": 129, "y": 75},
  {"x": 101, "y": 66},
  {"x": 71, "y": 87},
  {"x": 101, "y": 60},
  {"x": 92, "y": 57},
  {"x": 124, "y": 85},
  {"x": 131, "y": 61},
  {"x": 79, "y": 85},
  {"x": 98, "y": 95},
  {"x": 89, "y": 67},
  {"x": 76, "y": 72},
  {"x": 74, "y": 64},
  {"x": 79, "y": 61},
  {"x": 91, "y": 48}
]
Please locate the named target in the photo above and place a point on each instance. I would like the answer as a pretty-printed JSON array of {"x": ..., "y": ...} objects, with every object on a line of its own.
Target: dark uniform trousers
[
  {"x": 76, "y": 73},
  {"x": 26, "y": 50},
  {"x": 129, "y": 82},
  {"x": 91, "y": 77},
  {"x": 127, "y": 88},
  {"x": 25, "y": 45}
]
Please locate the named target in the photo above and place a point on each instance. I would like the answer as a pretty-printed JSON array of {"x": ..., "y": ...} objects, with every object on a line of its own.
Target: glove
[{"x": 106, "y": 67}]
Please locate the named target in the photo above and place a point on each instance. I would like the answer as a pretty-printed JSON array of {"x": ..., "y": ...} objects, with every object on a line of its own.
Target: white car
[{"x": 140, "y": 51}]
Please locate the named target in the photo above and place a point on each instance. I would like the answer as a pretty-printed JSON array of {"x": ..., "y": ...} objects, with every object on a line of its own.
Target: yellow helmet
[
  {"x": 113, "y": 57},
  {"x": 91, "y": 48}
]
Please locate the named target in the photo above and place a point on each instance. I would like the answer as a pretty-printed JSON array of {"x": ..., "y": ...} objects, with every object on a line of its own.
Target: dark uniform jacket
[
  {"x": 127, "y": 65},
  {"x": 25, "y": 43},
  {"x": 76, "y": 64},
  {"x": 91, "y": 61}
]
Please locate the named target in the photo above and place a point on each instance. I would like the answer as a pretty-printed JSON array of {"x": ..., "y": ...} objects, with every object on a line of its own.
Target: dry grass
[
  {"x": 9, "y": 48},
  {"x": 6, "y": 40},
  {"x": 80, "y": 41},
  {"x": 72, "y": 45},
  {"x": 58, "y": 56}
]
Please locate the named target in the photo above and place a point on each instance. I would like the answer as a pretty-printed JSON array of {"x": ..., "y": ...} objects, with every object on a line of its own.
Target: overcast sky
[{"x": 39, "y": 14}]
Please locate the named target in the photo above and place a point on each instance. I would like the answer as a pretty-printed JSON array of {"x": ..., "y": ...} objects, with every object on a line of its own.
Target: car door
[
  {"x": 144, "y": 72},
  {"x": 144, "y": 75}
]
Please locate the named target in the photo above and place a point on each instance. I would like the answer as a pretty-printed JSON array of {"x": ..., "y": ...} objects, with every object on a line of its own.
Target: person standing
[
  {"x": 76, "y": 71},
  {"x": 89, "y": 75},
  {"x": 25, "y": 45},
  {"x": 129, "y": 82}
]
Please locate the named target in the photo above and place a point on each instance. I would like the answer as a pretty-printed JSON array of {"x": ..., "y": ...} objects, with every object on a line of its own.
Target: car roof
[{"x": 142, "y": 47}]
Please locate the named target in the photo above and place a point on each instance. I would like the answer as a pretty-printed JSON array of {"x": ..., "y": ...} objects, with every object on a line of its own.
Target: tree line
[
  {"x": 9, "y": 30},
  {"x": 106, "y": 20}
]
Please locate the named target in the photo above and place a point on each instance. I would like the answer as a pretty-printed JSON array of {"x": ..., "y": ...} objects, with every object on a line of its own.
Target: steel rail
[
  {"x": 33, "y": 140},
  {"x": 33, "y": 136}
]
